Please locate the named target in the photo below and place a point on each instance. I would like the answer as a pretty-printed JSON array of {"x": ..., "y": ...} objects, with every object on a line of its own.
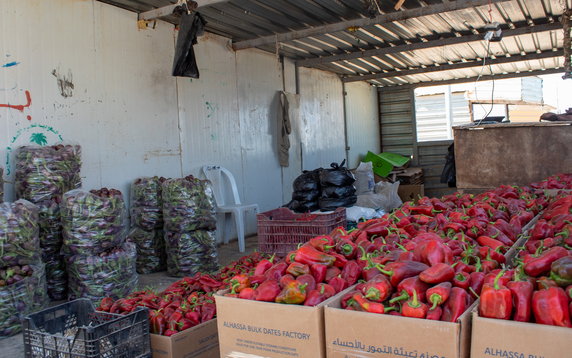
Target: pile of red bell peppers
[
  {"x": 426, "y": 260},
  {"x": 559, "y": 181},
  {"x": 539, "y": 288},
  {"x": 185, "y": 303}
]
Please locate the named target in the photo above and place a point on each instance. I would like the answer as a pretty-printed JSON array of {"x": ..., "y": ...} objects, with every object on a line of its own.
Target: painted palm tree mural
[{"x": 39, "y": 139}]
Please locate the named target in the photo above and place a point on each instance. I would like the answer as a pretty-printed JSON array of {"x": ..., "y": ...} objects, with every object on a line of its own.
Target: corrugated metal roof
[{"x": 433, "y": 46}]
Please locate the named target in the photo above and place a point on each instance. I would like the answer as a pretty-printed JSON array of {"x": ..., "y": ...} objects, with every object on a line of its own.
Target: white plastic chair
[{"x": 221, "y": 179}]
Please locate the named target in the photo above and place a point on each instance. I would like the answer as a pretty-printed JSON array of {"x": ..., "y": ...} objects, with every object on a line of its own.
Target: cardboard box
[
  {"x": 356, "y": 334},
  {"x": 501, "y": 338},
  {"x": 198, "y": 342},
  {"x": 410, "y": 192},
  {"x": 263, "y": 329}
]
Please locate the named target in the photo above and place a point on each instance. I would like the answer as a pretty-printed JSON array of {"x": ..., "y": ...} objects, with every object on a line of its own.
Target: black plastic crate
[{"x": 76, "y": 330}]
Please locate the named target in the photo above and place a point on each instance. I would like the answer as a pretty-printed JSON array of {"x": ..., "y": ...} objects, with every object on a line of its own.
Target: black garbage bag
[
  {"x": 185, "y": 63},
  {"x": 449, "y": 174},
  {"x": 311, "y": 195},
  {"x": 302, "y": 206},
  {"x": 338, "y": 191},
  {"x": 308, "y": 180},
  {"x": 329, "y": 204},
  {"x": 337, "y": 176}
]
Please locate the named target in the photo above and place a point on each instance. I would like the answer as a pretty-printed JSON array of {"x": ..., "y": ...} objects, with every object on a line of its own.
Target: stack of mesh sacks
[
  {"x": 22, "y": 275},
  {"x": 100, "y": 263},
  {"x": 43, "y": 175},
  {"x": 1, "y": 185},
  {"x": 190, "y": 224},
  {"x": 147, "y": 224},
  {"x": 337, "y": 187}
]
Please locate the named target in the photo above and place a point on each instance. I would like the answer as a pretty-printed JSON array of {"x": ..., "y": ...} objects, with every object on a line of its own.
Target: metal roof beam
[
  {"x": 473, "y": 79},
  {"x": 457, "y": 66},
  {"x": 168, "y": 10},
  {"x": 361, "y": 22},
  {"x": 425, "y": 45}
]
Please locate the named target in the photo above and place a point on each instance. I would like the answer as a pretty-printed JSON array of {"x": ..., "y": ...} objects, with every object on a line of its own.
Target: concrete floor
[{"x": 13, "y": 347}]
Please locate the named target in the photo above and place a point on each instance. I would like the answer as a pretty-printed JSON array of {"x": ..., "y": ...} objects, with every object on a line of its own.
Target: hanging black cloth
[
  {"x": 449, "y": 174},
  {"x": 191, "y": 26}
]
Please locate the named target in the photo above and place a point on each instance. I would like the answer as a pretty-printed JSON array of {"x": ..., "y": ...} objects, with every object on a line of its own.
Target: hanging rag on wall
[
  {"x": 288, "y": 113},
  {"x": 190, "y": 26}
]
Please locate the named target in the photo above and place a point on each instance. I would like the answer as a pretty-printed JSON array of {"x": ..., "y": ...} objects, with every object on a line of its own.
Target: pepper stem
[
  {"x": 403, "y": 296},
  {"x": 436, "y": 299},
  {"x": 497, "y": 278},
  {"x": 415, "y": 302}
]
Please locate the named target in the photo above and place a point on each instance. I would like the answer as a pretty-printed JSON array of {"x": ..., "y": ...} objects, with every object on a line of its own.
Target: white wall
[{"x": 132, "y": 118}]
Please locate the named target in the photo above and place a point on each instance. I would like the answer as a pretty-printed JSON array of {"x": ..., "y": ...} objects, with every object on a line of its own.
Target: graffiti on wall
[{"x": 39, "y": 134}]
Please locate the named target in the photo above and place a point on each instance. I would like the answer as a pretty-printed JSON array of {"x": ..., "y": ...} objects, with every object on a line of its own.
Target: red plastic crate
[{"x": 281, "y": 230}]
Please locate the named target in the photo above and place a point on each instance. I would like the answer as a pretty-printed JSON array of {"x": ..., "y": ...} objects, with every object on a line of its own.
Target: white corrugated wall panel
[
  {"x": 362, "y": 121},
  {"x": 322, "y": 110},
  {"x": 259, "y": 83},
  {"x": 122, "y": 108}
]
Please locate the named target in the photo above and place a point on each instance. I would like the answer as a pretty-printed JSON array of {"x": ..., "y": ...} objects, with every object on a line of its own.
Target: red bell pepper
[
  {"x": 309, "y": 256},
  {"x": 458, "y": 302},
  {"x": 240, "y": 282},
  {"x": 437, "y": 273},
  {"x": 347, "y": 248},
  {"x": 157, "y": 322},
  {"x": 492, "y": 243},
  {"x": 276, "y": 271},
  {"x": 434, "y": 314},
  {"x": 338, "y": 283},
  {"x": 308, "y": 280},
  {"x": 267, "y": 291},
  {"x": 293, "y": 293},
  {"x": 521, "y": 298},
  {"x": 540, "y": 265},
  {"x": 378, "y": 289},
  {"x": 263, "y": 266},
  {"x": 351, "y": 272},
  {"x": 248, "y": 293},
  {"x": 296, "y": 269},
  {"x": 328, "y": 290},
  {"x": 477, "y": 281},
  {"x": 496, "y": 300},
  {"x": 315, "y": 297},
  {"x": 462, "y": 279},
  {"x": 408, "y": 286},
  {"x": 322, "y": 243},
  {"x": 550, "y": 306},
  {"x": 437, "y": 295},
  {"x": 414, "y": 308},
  {"x": 319, "y": 272},
  {"x": 400, "y": 270},
  {"x": 332, "y": 272},
  {"x": 366, "y": 305},
  {"x": 432, "y": 252}
]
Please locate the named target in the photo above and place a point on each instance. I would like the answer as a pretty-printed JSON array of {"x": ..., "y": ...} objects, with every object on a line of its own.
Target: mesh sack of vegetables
[
  {"x": 22, "y": 291},
  {"x": 151, "y": 255},
  {"x": 188, "y": 205},
  {"x": 191, "y": 252},
  {"x": 146, "y": 203},
  {"x": 1, "y": 184},
  {"x": 93, "y": 221},
  {"x": 19, "y": 240},
  {"x": 110, "y": 274},
  {"x": 45, "y": 173},
  {"x": 56, "y": 274},
  {"x": 338, "y": 175}
]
